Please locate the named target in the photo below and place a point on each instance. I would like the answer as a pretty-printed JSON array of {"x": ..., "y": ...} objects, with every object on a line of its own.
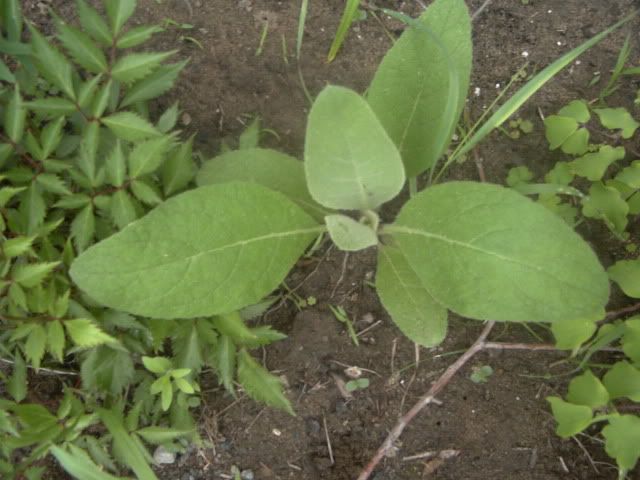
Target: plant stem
[
  {"x": 413, "y": 186},
  {"x": 613, "y": 314}
]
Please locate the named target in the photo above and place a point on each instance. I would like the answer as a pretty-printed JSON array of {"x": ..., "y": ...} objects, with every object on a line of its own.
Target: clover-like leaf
[
  {"x": 622, "y": 440},
  {"x": 607, "y": 204},
  {"x": 626, "y": 273},
  {"x": 588, "y": 390},
  {"x": 572, "y": 419},
  {"x": 593, "y": 165},
  {"x": 630, "y": 175},
  {"x": 570, "y": 334},
  {"x": 618, "y": 119},
  {"x": 623, "y": 380}
]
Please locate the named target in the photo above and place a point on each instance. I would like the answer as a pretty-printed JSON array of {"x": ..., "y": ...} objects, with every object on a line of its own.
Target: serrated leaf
[
  {"x": 101, "y": 100},
  {"x": 52, "y": 183},
  {"x": 14, "y": 116},
  {"x": 107, "y": 369},
  {"x": 207, "y": 276},
  {"x": 622, "y": 440},
  {"x": 137, "y": 66},
  {"x": 160, "y": 435},
  {"x": 499, "y": 231},
  {"x": 146, "y": 157},
  {"x": 187, "y": 346},
  {"x": 154, "y": 85},
  {"x": 593, "y": 165},
  {"x": 342, "y": 171},
  {"x": 93, "y": 23},
  {"x": 35, "y": 345},
  {"x": 409, "y": 304},
  {"x": 129, "y": 126},
  {"x": 233, "y": 326},
  {"x": 420, "y": 87},
  {"x": 618, "y": 119},
  {"x": 86, "y": 159},
  {"x": 32, "y": 274},
  {"x": 86, "y": 334},
  {"x": 269, "y": 168},
  {"x": 7, "y": 193},
  {"x": 51, "y": 136},
  {"x": 17, "y": 383},
  {"x": 119, "y": 11},
  {"x": 260, "y": 384},
  {"x": 169, "y": 118},
  {"x": 130, "y": 450},
  {"x": 605, "y": 203},
  {"x": 137, "y": 35},
  {"x": 52, "y": 64},
  {"x": 264, "y": 335},
  {"x": 572, "y": 419},
  {"x": 14, "y": 247},
  {"x": 587, "y": 390},
  {"x": 623, "y": 380},
  {"x": 146, "y": 192},
  {"x": 55, "y": 340},
  {"x": 123, "y": 211},
  {"x": 81, "y": 48},
  {"x": 631, "y": 339},
  {"x": 179, "y": 168},
  {"x": 570, "y": 334},
  {"x": 78, "y": 464},
  {"x": 115, "y": 166},
  {"x": 225, "y": 357},
  {"x": 158, "y": 365},
  {"x": 558, "y": 129},
  {"x": 33, "y": 209},
  {"x": 348, "y": 234},
  {"x": 83, "y": 228},
  {"x": 52, "y": 107},
  {"x": 626, "y": 273}
]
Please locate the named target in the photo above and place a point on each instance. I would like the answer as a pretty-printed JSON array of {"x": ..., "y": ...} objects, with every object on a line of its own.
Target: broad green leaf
[
  {"x": 147, "y": 156},
  {"x": 343, "y": 171},
  {"x": 260, "y": 384},
  {"x": 35, "y": 345},
  {"x": 170, "y": 264},
  {"x": 17, "y": 383},
  {"x": 81, "y": 48},
  {"x": 179, "y": 168},
  {"x": 593, "y": 165},
  {"x": 631, "y": 339},
  {"x": 558, "y": 129},
  {"x": 572, "y": 419},
  {"x": 123, "y": 211},
  {"x": 421, "y": 85},
  {"x": 587, "y": 390},
  {"x": 570, "y": 334},
  {"x": 269, "y": 168},
  {"x": 623, "y": 380},
  {"x": 127, "y": 447},
  {"x": 119, "y": 11},
  {"x": 622, "y": 440},
  {"x": 52, "y": 64},
  {"x": 158, "y": 365},
  {"x": 107, "y": 369},
  {"x": 411, "y": 307},
  {"x": 14, "y": 116},
  {"x": 115, "y": 165},
  {"x": 55, "y": 340},
  {"x": 576, "y": 109},
  {"x": 86, "y": 334},
  {"x": 51, "y": 107},
  {"x": 154, "y": 85},
  {"x": 78, "y": 464},
  {"x": 93, "y": 23},
  {"x": 30, "y": 275},
  {"x": 137, "y": 66},
  {"x": 159, "y": 435},
  {"x": 605, "y": 203},
  {"x": 630, "y": 175},
  {"x": 12, "y": 19},
  {"x": 348, "y": 234},
  {"x": 469, "y": 242},
  {"x": 137, "y": 35},
  {"x": 618, "y": 119},
  {"x": 626, "y": 273},
  {"x": 129, "y": 126},
  {"x": 83, "y": 228}
]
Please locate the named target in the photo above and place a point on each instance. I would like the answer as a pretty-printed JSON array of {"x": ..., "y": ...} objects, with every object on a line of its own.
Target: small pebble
[
  {"x": 276, "y": 432},
  {"x": 247, "y": 475},
  {"x": 162, "y": 456},
  {"x": 525, "y": 54}
]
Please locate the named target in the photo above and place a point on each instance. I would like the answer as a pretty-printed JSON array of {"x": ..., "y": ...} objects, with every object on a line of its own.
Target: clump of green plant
[
  {"x": 81, "y": 159},
  {"x": 482, "y": 251}
]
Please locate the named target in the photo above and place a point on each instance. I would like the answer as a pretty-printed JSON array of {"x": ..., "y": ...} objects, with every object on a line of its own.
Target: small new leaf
[{"x": 86, "y": 334}]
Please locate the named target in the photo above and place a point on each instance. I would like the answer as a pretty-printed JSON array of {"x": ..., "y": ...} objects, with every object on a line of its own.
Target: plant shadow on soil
[{"x": 503, "y": 428}]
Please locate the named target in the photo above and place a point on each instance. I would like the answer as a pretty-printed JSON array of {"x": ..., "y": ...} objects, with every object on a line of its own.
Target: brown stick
[
  {"x": 623, "y": 311},
  {"x": 425, "y": 400}
]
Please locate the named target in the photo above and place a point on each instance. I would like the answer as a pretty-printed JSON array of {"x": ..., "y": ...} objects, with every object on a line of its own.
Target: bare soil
[{"x": 502, "y": 429}]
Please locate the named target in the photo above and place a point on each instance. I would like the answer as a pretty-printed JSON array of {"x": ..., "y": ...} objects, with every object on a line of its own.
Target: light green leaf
[
  {"x": 55, "y": 340},
  {"x": 260, "y": 384},
  {"x": 29, "y": 275},
  {"x": 269, "y": 168},
  {"x": 146, "y": 192},
  {"x": 169, "y": 118},
  {"x": 577, "y": 143},
  {"x": 348, "y": 234},
  {"x": 154, "y": 85},
  {"x": 184, "y": 386},
  {"x": 468, "y": 242},
  {"x": 428, "y": 67},
  {"x": 86, "y": 334},
  {"x": 158, "y": 365},
  {"x": 150, "y": 268},
  {"x": 12, "y": 19},
  {"x": 605, "y": 203},
  {"x": 593, "y": 165},
  {"x": 107, "y": 369},
  {"x": 179, "y": 168},
  {"x": 33, "y": 208},
  {"x": 83, "y": 228},
  {"x": 52, "y": 107},
  {"x": 631, "y": 339},
  {"x": 618, "y": 119},
  {"x": 101, "y": 101},
  {"x": 14, "y": 247},
  {"x": 78, "y": 464},
  {"x": 52, "y": 64},
  {"x": 159, "y": 435},
  {"x": 570, "y": 334},
  {"x": 250, "y": 137},
  {"x": 225, "y": 362},
  {"x": 93, "y": 23},
  {"x": 576, "y": 109},
  {"x": 630, "y": 175},
  {"x": 166, "y": 395},
  {"x": 622, "y": 440},
  {"x": 342, "y": 170},
  {"x": 53, "y": 183},
  {"x": 17, "y": 383},
  {"x": 558, "y": 129},
  {"x": 119, "y": 11},
  {"x": 147, "y": 156},
  {"x": 412, "y": 308},
  {"x": 137, "y": 35},
  {"x": 115, "y": 165},
  {"x": 187, "y": 346},
  {"x": 51, "y": 136},
  {"x": 14, "y": 116},
  {"x": 519, "y": 175},
  {"x": 623, "y": 380},
  {"x": 81, "y": 48},
  {"x": 137, "y": 66},
  {"x": 626, "y": 273},
  {"x": 87, "y": 91},
  {"x": 35, "y": 345},
  {"x": 7, "y": 193},
  {"x": 587, "y": 390},
  {"x": 122, "y": 210},
  {"x": 129, "y": 126},
  {"x": 5, "y": 74},
  {"x": 572, "y": 419},
  {"x": 233, "y": 326}
]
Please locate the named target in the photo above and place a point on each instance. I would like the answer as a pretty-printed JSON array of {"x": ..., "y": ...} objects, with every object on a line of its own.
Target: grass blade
[
  {"x": 304, "y": 8},
  {"x": 348, "y": 16}
]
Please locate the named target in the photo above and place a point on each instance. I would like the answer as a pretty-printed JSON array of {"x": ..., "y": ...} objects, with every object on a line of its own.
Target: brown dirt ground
[{"x": 503, "y": 429}]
